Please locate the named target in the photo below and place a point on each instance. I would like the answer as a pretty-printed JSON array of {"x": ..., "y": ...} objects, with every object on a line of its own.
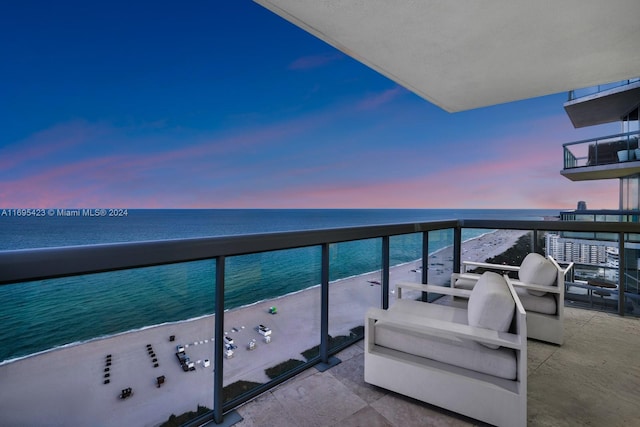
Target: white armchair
[
  {"x": 540, "y": 287},
  {"x": 471, "y": 360}
]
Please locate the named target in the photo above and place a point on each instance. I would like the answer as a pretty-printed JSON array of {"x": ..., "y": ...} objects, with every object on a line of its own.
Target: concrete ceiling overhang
[{"x": 465, "y": 54}]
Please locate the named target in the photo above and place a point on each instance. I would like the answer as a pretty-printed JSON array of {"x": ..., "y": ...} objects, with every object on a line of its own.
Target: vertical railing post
[
  {"x": 326, "y": 362},
  {"x": 425, "y": 257},
  {"x": 425, "y": 264},
  {"x": 457, "y": 248},
  {"x": 324, "y": 305},
  {"x": 385, "y": 272},
  {"x": 621, "y": 274},
  {"x": 218, "y": 343},
  {"x": 534, "y": 241}
]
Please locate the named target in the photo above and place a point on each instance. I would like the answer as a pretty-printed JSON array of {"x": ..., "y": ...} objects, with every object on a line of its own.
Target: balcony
[
  {"x": 604, "y": 103},
  {"x": 579, "y": 94},
  {"x": 321, "y": 323},
  {"x": 608, "y": 157}
]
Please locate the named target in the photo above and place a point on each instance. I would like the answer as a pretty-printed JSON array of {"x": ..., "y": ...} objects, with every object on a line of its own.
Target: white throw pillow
[
  {"x": 538, "y": 270},
  {"x": 491, "y": 305}
]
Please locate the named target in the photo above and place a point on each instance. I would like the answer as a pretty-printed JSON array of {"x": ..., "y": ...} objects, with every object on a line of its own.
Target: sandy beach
[{"x": 66, "y": 387}]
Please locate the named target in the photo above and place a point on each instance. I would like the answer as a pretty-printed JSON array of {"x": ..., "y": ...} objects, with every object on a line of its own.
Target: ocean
[{"x": 41, "y": 315}]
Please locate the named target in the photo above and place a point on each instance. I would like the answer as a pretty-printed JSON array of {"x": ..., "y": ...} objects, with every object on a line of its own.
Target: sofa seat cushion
[
  {"x": 545, "y": 304},
  {"x": 466, "y": 354}
]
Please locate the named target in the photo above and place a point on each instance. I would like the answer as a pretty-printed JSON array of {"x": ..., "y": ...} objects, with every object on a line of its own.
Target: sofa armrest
[
  {"x": 427, "y": 327},
  {"x": 490, "y": 266},
  {"x": 468, "y": 276},
  {"x": 516, "y": 283},
  {"x": 444, "y": 290},
  {"x": 569, "y": 270},
  {"x": 533, "y": 287}
]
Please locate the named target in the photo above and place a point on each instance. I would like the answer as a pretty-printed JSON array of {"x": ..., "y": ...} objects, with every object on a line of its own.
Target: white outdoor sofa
[
  {"x": 470, "y": 360},
  {"x": 540, "y": 287}
]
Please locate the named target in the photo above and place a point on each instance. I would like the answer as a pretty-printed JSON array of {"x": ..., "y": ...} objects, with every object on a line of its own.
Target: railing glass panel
[
  {"x": 593, "y": 282},
  {"x": 107, "y": 337},
  {"x": 406, "y": 263},
  {"x": 592, "y": 90},
  {"x": 441, "y": 256},
  {"x": 355, "y": 286},
  {"x": 273, "y": 318},
  {"x": 612, "y": 149},
  {"x": 631, "y": 277}
]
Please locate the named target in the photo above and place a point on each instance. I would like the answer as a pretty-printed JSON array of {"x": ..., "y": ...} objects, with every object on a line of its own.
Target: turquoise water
[{"x": 41, "y": 315}]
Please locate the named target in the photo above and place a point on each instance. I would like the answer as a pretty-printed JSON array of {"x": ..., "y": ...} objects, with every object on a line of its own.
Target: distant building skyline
[{"x": 566, "y": 250}]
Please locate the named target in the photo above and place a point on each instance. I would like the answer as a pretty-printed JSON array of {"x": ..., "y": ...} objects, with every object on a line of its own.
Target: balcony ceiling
[{"x": 462, "y": 55}]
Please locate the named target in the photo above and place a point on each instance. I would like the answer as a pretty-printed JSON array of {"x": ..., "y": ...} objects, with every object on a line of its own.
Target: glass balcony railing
[
  {"x": 612, "y": 149},
  {"x": 592, "y": 90},
  {"x": 601, "y": 215},
  {"x": 158, "y": 329}
]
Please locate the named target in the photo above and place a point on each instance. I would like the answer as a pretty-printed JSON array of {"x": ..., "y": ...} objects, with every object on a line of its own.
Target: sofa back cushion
[
  {"x": 537, "y": 270},
  {"x": 491, "y": 305}
]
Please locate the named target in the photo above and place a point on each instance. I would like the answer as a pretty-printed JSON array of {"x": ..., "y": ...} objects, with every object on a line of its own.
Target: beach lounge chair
[
  {"x": 470, "y": 360},
  {"x": 540, "y": 286}
]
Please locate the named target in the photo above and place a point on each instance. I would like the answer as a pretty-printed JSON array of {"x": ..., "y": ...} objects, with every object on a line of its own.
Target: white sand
[{"x": 65, "y": 386}]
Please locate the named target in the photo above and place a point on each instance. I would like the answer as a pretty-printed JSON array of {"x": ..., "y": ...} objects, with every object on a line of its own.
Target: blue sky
[{"x": 221, "y": 104}]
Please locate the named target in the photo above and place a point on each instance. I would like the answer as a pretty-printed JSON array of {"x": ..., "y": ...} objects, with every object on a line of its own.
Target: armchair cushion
[
  {"x": 466, "y": 354},
  {"x": 545, "y": 304},
  {"x": 537, "y": 270},
  {"x": 491, "y": 305}
]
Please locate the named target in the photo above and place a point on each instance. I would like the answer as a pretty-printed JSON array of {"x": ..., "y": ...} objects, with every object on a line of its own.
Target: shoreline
[{"x": 68, "y": 381}]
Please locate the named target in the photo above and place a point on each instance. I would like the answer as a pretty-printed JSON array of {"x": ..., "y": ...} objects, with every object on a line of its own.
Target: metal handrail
[
  {"x": 615, "y": 135},
  {"x": 619, "y": 212},
  {"x": 37, "y": 264},
  {"x": 592, "y": 90}
]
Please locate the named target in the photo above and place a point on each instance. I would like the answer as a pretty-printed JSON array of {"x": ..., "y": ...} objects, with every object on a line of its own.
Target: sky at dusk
[{"x": 222, "y": 104}]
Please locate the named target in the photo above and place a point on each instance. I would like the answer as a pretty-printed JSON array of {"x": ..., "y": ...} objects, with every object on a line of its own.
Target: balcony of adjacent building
[
  {"x": 606, "y": 157},
  {"x": 602, "y": 104},
  {"x": 305, "y": 364}
]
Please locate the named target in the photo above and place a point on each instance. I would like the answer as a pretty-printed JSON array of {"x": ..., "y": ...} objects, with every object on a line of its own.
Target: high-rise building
[
  {"x": 591, "y": 252},
  {"x": 614, "y": 156}
]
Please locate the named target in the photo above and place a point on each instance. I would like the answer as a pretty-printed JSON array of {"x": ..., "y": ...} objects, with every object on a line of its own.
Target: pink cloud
[
  {"x": 138, "y": 179},
  {"x": 521, "y": 172},
  {"x": 374, "y": 101},
  {"x": 315, "y": 61},
  {"x": 516, "y": 171},
  {"x": 60, "y": 186},
  {"x": 44, "y": 143}
]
